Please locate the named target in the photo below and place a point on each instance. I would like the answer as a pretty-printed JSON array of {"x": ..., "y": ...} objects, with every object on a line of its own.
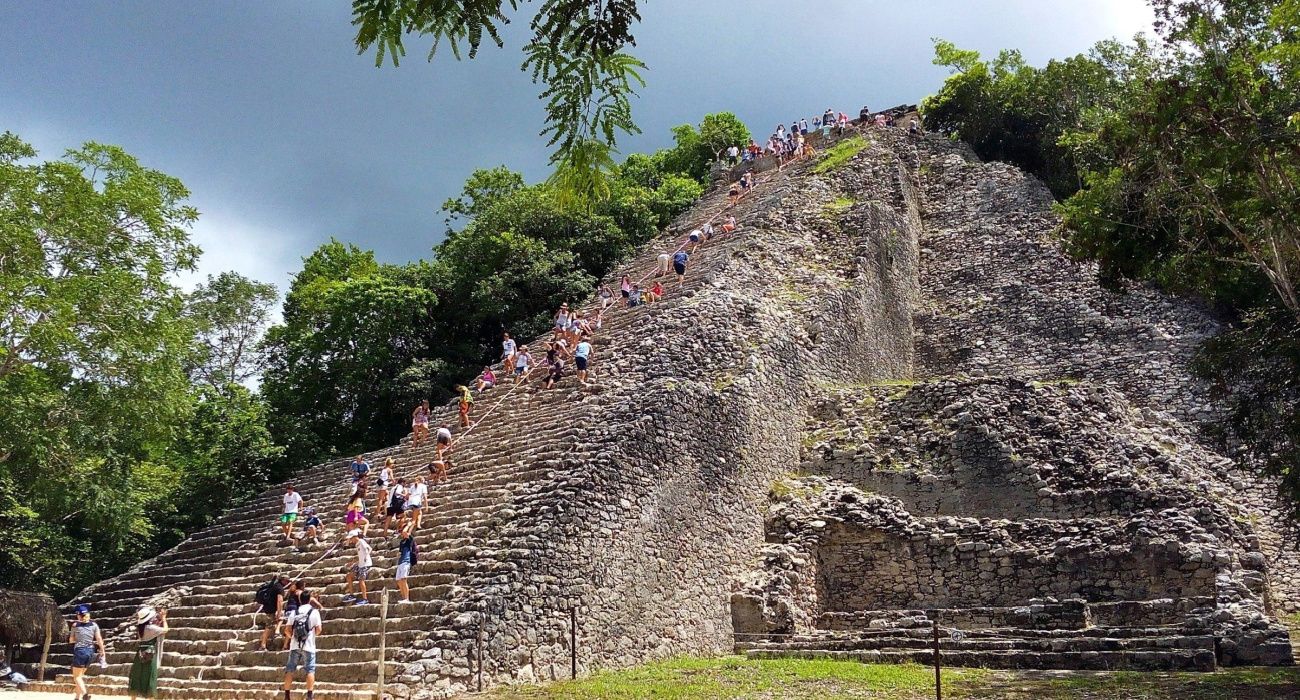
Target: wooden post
[
  {"x": 573, "y": 640},
  {"x": 383, "y": 639},
  {"x": 479, "y": 652},
  {"x": 938, "y": 682},
  {"x": 45, "y": 650}
]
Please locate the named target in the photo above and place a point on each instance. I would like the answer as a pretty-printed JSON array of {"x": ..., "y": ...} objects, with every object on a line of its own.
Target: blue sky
[{"x": 287, "y": 137}]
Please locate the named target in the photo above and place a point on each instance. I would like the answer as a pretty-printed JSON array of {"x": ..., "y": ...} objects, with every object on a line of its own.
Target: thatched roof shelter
[{"x": 22, "y": 617}]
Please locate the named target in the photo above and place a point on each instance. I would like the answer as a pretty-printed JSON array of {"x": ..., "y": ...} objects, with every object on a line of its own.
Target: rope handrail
[{"x": 522, "y": 379}]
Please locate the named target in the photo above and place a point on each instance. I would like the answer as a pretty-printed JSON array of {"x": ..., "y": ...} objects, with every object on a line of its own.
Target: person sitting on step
[
  {"x": 486, "y": 380},
  {"x": 313, "y": 527}
]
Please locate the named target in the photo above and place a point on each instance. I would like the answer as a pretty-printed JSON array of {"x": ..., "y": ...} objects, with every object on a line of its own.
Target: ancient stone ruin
[{"x": 888, "y": 401}]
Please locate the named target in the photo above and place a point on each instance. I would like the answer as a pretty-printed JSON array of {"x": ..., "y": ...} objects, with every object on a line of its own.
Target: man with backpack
[
  {"x": 302, "y": 645},
  {"x": 396, "y": 507},
  {"x": 270, "y": 601}
]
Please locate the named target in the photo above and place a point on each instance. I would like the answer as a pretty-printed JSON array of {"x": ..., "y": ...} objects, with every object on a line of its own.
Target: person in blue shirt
[
  {"x": 581, "y": 356},
  {"x": 407, "y": 557},
  {"x": 679, "y": 266},
  {"x": 360, "y": 468}
]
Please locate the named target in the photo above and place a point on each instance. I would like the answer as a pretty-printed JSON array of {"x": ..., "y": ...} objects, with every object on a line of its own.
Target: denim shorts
[
  {"x": 298, "y": 657},
  {"x": 82, "y": 657}
]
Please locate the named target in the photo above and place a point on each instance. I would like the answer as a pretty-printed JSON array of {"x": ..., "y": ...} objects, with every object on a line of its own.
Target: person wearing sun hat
[
  {"x": 85, "y": 638},
  {"x": 150, "y": 626}
]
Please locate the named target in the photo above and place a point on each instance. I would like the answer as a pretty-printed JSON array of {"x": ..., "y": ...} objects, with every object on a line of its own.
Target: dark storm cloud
[{"x": 287, "y": 137}]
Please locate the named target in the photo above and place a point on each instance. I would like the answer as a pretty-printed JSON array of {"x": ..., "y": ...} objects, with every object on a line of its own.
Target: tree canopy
[
  {"x": 102, "y": 423},
  {"x": 576, "y": 52}
]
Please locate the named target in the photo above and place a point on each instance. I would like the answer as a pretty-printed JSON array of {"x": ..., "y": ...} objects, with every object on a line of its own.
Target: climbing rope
[{"x": 523, "y": 379}]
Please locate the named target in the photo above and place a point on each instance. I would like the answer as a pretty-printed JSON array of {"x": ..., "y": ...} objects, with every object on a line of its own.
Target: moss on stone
[{"x": 839, "y": 154}]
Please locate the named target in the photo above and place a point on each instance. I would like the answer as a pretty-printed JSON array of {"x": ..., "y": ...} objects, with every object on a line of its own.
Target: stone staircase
[
  {"x": 640, "y": 503},
  {"x": 512, "y": 462}
]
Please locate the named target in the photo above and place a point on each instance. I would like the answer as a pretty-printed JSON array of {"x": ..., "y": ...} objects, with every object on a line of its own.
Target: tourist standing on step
[
  {"x": 385, "y": 482},
  {"x": 360, "y": 468},
  {"x": 420, "y": 424},
  {"x": 582, "y": 357},
  {"x": 465, "y": 403},
  {"x": 415, "y": 494},
  {"x": 85, "y": 639},
  {"x": 270, "y": 601},
  {"x": 302, "y": 647},
  {"x": 360, "y": 569},
  {"x": 733, "y": 194},
  {"x": 679, "y": 266},
  {"x": 408, "y": 555},
  {"x": 355, "y": 516},
  {"x": 561, "y": 320},
  {"x": 508, "y": 350},
  {"x": 396, "y": 507},
  {"x": 606, "y": 297},
  {"x": 150, "y": 626},
  {"x": 292, "y": 601},
  {"x": 292, "y": 502},
  {"x": 522, "y": 360},
  {"x": 662, "y": 268}
]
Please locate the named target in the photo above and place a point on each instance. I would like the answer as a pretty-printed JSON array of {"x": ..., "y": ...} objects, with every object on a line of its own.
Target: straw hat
[{"x": 145, "y": 614}]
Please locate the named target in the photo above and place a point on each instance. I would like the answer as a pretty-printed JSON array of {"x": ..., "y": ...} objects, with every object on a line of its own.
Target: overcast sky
[{"x": 286, "y": 137}]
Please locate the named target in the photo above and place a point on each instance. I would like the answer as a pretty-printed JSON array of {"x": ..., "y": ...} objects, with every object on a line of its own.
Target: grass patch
[
  {"x": 1230, "y": 684},
  {"x": 737, "y": 678},
  {"x": 839, "y": 154},
  {"x": 839, "y": 205}
]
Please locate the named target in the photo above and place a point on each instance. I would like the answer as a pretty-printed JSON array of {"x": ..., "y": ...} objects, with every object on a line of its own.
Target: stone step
[
  {"x": 1162, "y": 660},
  {"x": 1058, "y": 644},
  {"x": 193, "y": 689}
]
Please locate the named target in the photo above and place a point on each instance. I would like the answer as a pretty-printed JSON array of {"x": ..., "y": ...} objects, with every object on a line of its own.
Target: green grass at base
[{"x": 738, "y": 678}]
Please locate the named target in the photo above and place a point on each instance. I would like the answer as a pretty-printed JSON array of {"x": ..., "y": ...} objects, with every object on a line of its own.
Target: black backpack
[
  {"x": 302, "y": 625},
  {"x": 267, "y": 593}
]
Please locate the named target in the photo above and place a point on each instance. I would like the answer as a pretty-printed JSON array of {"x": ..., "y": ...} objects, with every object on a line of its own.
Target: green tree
[
  {"x": 576, "y": 52},
  {"x": 229, "y": 312},
  {"x": 485, "y": 187},
  {"x": 351, "y": 326},
  {"x": 93, "y": 344}
]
